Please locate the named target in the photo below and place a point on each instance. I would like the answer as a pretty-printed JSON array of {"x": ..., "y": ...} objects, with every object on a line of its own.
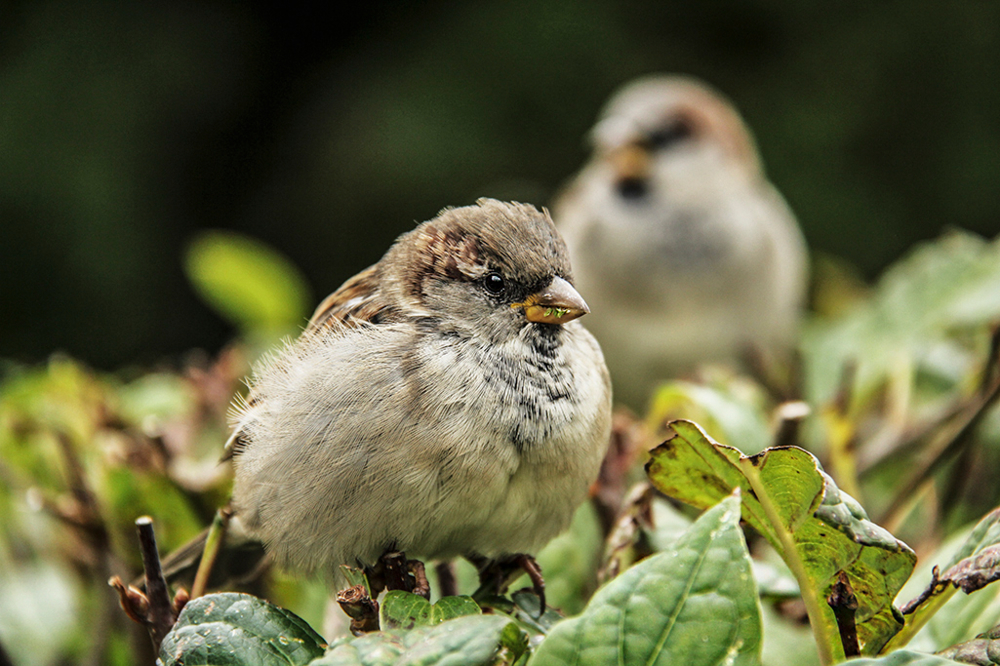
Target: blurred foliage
[
  {"x": 255, "y": 288},
  {"x": 126, "y": 129},
  {"x": 893, "y": 391}
]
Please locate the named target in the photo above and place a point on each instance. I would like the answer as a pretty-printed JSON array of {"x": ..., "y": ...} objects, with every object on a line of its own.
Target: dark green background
[{"x": 126, "y": 127}]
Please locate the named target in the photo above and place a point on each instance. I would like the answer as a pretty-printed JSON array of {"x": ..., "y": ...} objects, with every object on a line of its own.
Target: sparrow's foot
[
  {"x": 394, "y": 572},
  {"x": 530, "y": 567},
  {"x": 495, "y": 576},
  {"x": 446, "y": 578}
]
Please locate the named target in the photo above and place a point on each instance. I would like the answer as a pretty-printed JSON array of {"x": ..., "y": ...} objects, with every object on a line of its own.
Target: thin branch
[
  {"x": 790, "y": 416},
  {"x": 153, "y": 609},
  {"x": 213, "y": 544},
  {"x": 949, "y": 444}
]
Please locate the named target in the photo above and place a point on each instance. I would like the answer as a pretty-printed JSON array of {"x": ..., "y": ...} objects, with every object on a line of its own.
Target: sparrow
[
  {"x": 685, "y": 250},
  {"x": 444, "y": 402}
]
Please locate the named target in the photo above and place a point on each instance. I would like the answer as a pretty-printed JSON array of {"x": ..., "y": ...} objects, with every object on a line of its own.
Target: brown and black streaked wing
[{"x": 356, "y": 301}]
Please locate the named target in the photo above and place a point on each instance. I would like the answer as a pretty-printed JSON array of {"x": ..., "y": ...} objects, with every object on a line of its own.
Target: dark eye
[
  {"x": 668, "y": 135},
  {"x": 494, "y": 283}
]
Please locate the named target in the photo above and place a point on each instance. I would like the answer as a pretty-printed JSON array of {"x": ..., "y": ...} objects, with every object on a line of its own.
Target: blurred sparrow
[
  {"x": 686, "y": 252},
  {"x": 443, "y": 402}
]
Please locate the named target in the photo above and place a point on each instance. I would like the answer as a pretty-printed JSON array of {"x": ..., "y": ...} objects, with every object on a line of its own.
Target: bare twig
[
  {"x": 161, "y": 612},
  {"x": 790, "y": 416},
  {"x": 608, "y": 492},
  {"x": 951, "y": 442},
  {"x": 992, "y": 370},
  {"x": 154, "y": 609},
  {"x": 627, "y": 543},
  {"x": 781, "y": 383}
]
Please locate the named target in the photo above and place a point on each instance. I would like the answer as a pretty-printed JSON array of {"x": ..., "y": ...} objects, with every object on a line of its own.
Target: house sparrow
[
  {"x": 443, "y": 402},
  {"x": 685, "y": 251}
]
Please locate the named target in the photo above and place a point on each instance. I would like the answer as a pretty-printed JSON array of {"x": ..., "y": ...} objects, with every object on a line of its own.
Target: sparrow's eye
[
  {"x": 494, "y": 283},
  {"x": 668, "y": 135}
]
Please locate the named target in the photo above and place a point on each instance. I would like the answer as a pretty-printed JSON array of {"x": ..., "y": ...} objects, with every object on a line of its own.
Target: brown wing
[{"x": 357, "y": 301}]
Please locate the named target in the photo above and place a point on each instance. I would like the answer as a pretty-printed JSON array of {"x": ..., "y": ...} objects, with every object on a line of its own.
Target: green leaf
[
  {"x": 693, "y": 604},
  {"x": 354, "y": 576},
  {"x": 473, "y": 640},
  {"x": 405, "y": 610},
  {"x": 248, "y": 282},
  {"x": 570, "y": 561},
  {"x": 235, "y": 629},
  {"x": 733, "y": 408},
  {"x": 818, "y": 530}
]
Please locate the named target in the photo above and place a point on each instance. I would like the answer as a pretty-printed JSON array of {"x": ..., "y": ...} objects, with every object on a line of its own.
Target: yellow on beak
[
  {"x": 556, "y": 304},
  {"x": 631, "y": 161}
]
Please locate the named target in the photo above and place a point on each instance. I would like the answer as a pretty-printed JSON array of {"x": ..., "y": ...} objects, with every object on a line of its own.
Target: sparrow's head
[
  {"x": 657, "y": 120},
  {"x": 489, "y": 269}
]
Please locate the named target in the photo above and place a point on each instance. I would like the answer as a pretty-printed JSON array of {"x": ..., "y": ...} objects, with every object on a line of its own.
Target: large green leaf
[
  {"x": 231, "y": 629},
  {"x": 694, "y": 604},
  {"x": 473, "y": 640},
  {"x": 819, "y": 530}
]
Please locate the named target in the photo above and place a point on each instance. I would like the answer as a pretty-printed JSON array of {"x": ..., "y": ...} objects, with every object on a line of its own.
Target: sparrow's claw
[
  {"x": 530, "y": 567},
  {"x": 394, "y": 572},
  {"x": 496, "y": 575}
]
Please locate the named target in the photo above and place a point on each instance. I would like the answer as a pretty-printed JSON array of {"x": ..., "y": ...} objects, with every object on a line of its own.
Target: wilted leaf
[
  {"x": 474, "y": 640},
  {"x": 905, "y": 658},
  {"x": 237, "y": 629},
  {"x": 405, "y": 610},
  {"x": 818, "y": 530},
  {"x": 693, "y": 604},
  {"x": 972, "y": 566},
  {"x": 627, "y": 541},
  {"x": 983, "y": 650},
  {"x": 248, "y": 282}
]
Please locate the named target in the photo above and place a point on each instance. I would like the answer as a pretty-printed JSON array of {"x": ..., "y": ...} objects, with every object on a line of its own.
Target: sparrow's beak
[
  {"x": 556, "y": 304},
  {"x": 631, "y": 162}
]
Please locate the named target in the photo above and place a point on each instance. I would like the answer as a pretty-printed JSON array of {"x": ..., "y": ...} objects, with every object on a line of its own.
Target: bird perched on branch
[
  {"x": 685, "y": 250},
  {"x": 444, "y": 402}
]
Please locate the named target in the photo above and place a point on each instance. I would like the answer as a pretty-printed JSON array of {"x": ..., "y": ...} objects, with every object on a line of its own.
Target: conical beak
[
  {"x": 556, "y": 304},
  {"x": 631, "y": 162}
]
